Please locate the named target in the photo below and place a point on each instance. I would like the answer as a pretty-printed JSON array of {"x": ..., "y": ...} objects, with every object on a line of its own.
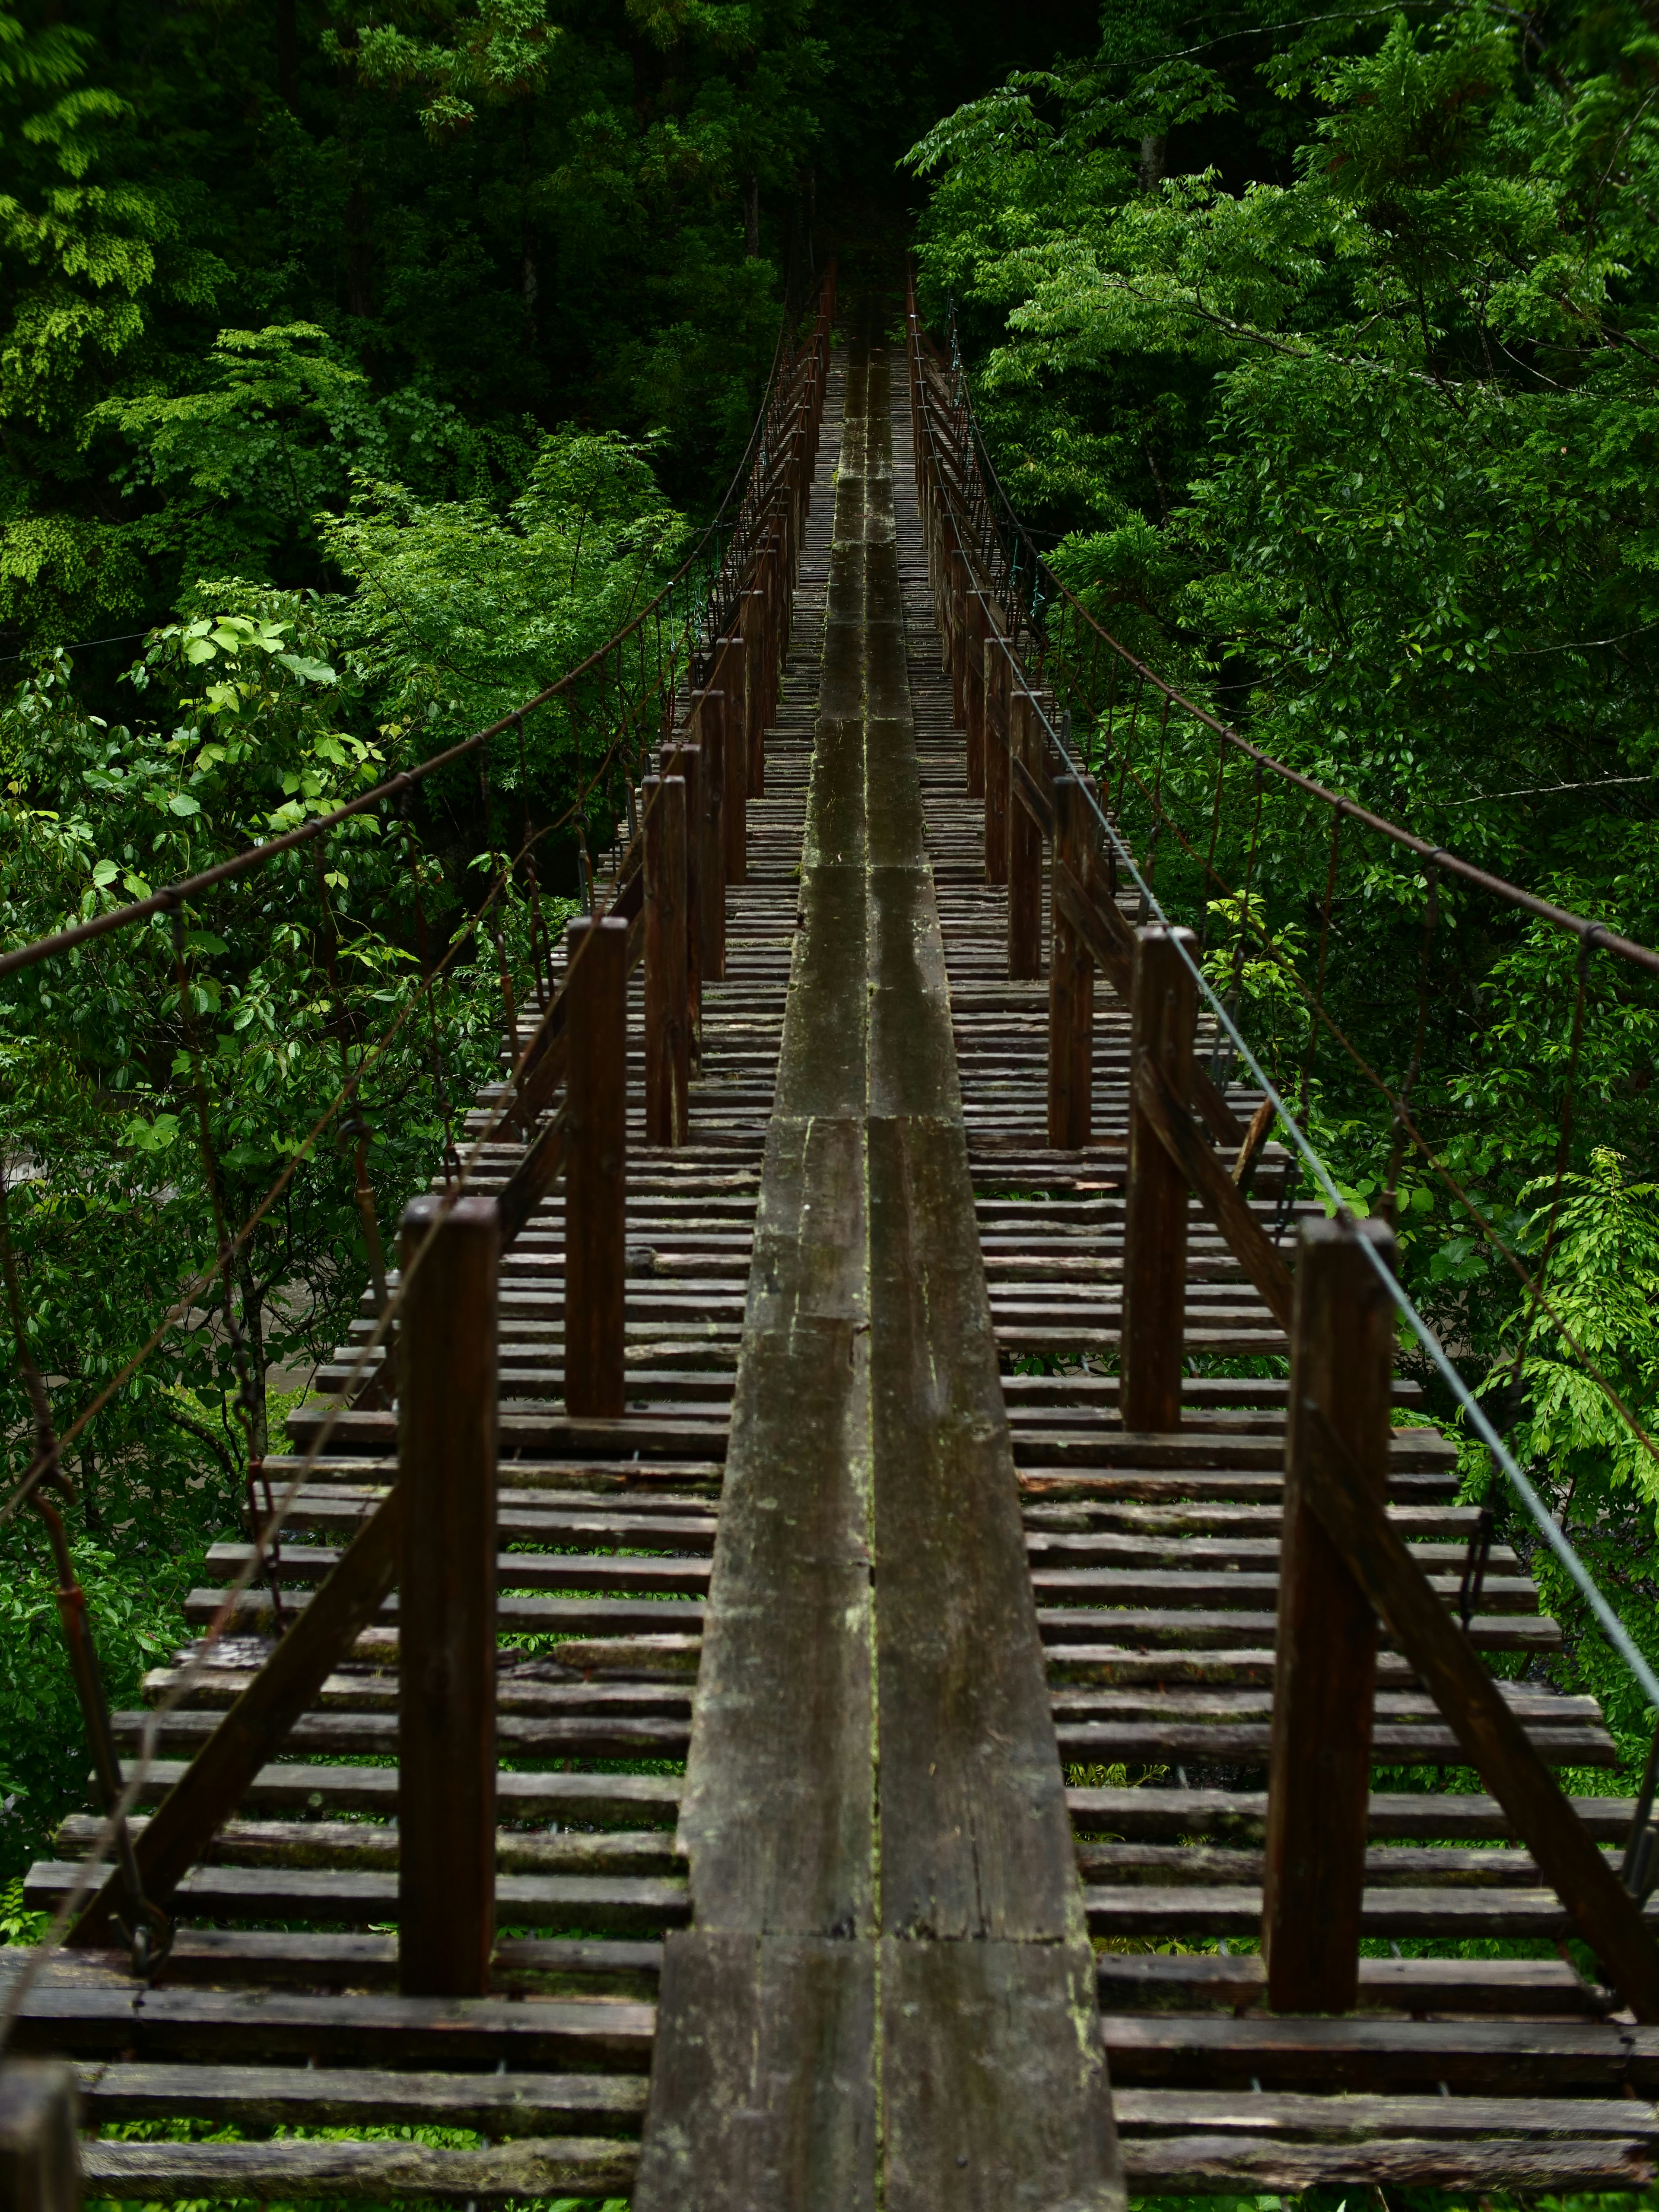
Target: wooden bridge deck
[{"x": 837, "y": 1855}]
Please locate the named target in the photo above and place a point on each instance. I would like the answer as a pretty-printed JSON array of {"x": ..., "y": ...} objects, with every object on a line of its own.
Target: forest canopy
[{"x": 363, "y": 366}]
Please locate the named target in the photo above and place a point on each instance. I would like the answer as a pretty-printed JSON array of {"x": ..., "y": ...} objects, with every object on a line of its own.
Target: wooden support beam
[
  {"x": 212, "y": 1785},
  {"x": 1325, "y": 1664},
  {"x": 1607, "y": 1917},
  {"x": 994, "y": 689},
  {"x": 40, "y": 2148},
  {"x": 667, "y": 1005},
  {"x": 1071, "y": 986},
  {"x": 447, "y": 1415},
  {"x": 1025, "y": 857},
  {"x": 1155, "y": 1205},
  {"x": 595, "y": 1160},
  {"x": 1214, "y": 1188},
  {"x": 537, "y": 1170},
  {"x": 685, "y": 760}
]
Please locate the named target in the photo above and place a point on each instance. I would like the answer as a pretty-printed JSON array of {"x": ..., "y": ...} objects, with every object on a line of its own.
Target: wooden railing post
[
  {"x": 956, "y": 632},
  {"x": 995, "y": 690},
  {"x": 596, "y": 1165},
  {"x": 447, "y": 1411},
  {"x": 1070, "y": 988},
  {"x": 1325, "y": 1663},
  {"x": 667, "y": 1004},
  {"x": 686, "y": 763},
  {"x": 1162, "y": 1015},
  {"x": 973, "y": 689},
  {"x": 711, "y": 835},
  {"x": 732, "y": 670},
  {"x": 1025, "y": 857},
  {"x": 39, "y": 2148}
]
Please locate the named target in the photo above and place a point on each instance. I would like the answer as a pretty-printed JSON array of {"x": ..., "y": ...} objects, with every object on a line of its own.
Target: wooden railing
[
  {"x": 1343, "y": 1567},
  {"x": 433, "y": 1535}
]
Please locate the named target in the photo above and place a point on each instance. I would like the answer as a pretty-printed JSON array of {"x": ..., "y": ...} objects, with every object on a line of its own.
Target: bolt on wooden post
[
  {"x": 1325, "y": 1660},
  {"x": 1024, "y": 852},
  {"x": 450, "y": 1258},
  {"x": 685, "y": 760},
  {"x": 1071, "y": 986},
  {"x": 1162, "y": 1015},
  {"x": 667, "y": 1002},
  {"x": 596, "y": 1169}
]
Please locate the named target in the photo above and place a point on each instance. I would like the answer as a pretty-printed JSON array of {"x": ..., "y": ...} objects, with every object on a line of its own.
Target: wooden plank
[
  {"x": 563, "y": 2166},
  {"x": 1607, "y": 1918},
  {"x": 731, "y": 2122},
  {"x": 1157, "y": 1103},
  {"x": 1508, "y": 2057},
  {"x": 512, "y": 2105},
  {"x": 450, "y": 1255},
  {"x": 1325, "y": 1657},
  {"x": 1155, "y": 1208},
  {"x": 537, "y": 1170},
  {"x": 993, "y": 2044},
  {"x": 596, "y": 1170},
  {"x": 211, "y": 1787},
  {"x": 1201, "y": 2165}
]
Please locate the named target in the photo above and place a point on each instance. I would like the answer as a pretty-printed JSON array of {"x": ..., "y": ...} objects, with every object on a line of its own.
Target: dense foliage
[{"x": 1320, "y": 361}]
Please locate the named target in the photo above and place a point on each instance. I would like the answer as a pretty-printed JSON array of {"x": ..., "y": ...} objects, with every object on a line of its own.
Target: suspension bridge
[{"x": 778, "y": 1664}]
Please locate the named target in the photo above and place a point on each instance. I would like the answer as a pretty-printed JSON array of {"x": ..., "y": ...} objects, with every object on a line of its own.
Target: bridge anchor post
[
  {"x": 1164, "y": 1013},
  {"x": 446, "y": 1348},
  {"x": 1325, "y": 1664},
  {"x": 667, "y": 1003},
  {"x": 1071, "y": 986},
  {"x": 596, "y": 1170}
]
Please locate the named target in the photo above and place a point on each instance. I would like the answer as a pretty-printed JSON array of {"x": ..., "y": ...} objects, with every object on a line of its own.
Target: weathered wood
[
  {"x": 732, "y": 678},
  {"x": 995, "y": 2092},
  {"x": 1155, "y": 1209},
  {"x": 538, "y": 1169},
  {"x": 341, "y": 2097},
  {"x": 996, "y": 689},
  {"x": 1325, "y": 1664},
  {"x": 40, "y": 2153},
  {"x": 1071, "y": 986},
  {"x": 211, "y": 1787},
  {"x": 564, "y": 2166},
  {"x": 667, "y": 1005},
  {"x": 1025, "y": 856},
  {"x": 685, "y": 760},
  {"x": 450, "y": 1259},
  {"x": 711, "y": 841},
  {"x": 975, "y": 624},
  {"x": 765, "y": 2091},
  {"x": 1201, "y": 2165},
  {"x": 1509, "y": 2057},
  {"x": 595, "y": 1183},
  {"x": 1608, "y": 1918},
  {"x": 1156, "y": 1102}
]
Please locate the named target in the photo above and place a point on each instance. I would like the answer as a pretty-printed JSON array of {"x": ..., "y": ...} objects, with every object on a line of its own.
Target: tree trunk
[
  {"x": 1154, "y": 149},
  {"x": 751, "y": 217}
]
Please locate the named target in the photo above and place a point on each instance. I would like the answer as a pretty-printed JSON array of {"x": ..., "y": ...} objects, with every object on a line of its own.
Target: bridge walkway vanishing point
[{"x": 851, "y": 1857}]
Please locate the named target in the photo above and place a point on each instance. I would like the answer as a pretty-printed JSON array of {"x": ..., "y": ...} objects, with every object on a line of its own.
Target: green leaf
[
  {"x": 182, "y": 803},
  {"x": 105, "y": 873},
  {"x": 310, "y": 672}
]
